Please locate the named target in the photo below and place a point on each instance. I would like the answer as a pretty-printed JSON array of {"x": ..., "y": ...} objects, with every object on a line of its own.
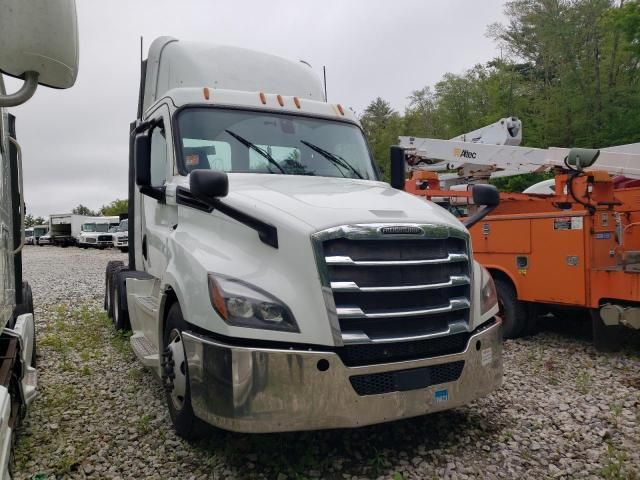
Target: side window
[{"x": 158, "y": 157}]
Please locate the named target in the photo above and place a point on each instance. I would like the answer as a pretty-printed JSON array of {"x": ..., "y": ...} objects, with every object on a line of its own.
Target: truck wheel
[
  {"x": 111, "y": 266},
  {"x": 124, "y": 249},
  {"x": 605, "y": 338},
  {"x": 512, "y": 311},
  {"x": 27, "y": 297},
  {"x": 119, "y": 291},
  {"x": 175, "y": 377}
]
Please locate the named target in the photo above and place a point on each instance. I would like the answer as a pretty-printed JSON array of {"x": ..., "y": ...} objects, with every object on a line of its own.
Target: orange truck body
[{"x": 555, "y": 250}]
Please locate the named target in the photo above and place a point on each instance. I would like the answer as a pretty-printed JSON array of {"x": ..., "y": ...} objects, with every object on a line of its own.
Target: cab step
[{"x": 144, "y": 350}]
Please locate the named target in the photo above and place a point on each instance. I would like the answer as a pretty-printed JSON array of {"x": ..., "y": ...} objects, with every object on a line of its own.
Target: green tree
[
  {"x": 114, "y": 208},
  {"x": 84, "y": 210}
]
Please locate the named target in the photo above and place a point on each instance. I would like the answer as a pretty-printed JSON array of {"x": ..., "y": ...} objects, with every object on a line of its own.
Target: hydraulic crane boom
[{"x": 497, "y": 154}]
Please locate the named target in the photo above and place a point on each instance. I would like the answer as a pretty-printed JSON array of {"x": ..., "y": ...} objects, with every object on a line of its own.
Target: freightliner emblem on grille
[{"x": 401, "y": 230}]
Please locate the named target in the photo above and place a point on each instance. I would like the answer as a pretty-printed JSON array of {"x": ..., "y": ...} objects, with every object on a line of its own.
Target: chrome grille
[{"x": 396, "y": 287}]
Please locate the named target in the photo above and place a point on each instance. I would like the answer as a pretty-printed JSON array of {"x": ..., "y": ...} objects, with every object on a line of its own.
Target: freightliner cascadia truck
[
  {"x": 39, "y": 45},
  {"x": 274, "y": 282}
]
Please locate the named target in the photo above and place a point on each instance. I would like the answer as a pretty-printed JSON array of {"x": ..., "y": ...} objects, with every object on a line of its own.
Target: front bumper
[{"x": 269, "y": 390}]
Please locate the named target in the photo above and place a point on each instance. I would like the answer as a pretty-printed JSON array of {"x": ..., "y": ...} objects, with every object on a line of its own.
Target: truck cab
[
  {"x": 121, "y": 236},
  {"x": 274, "y": 282},
  {"x": 96, "y": 233}
]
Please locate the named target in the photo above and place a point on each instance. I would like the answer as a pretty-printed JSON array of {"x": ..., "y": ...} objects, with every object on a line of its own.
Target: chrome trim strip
[
  {"x": 452, "y": 257},
  {"x": 356, "y": 312},
  {"x": 454, "y": 281},
  {"x": 352, "y": 338}
]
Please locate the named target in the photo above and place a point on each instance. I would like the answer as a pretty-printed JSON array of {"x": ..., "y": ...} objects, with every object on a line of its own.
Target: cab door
[{"x": 158, "y": 218}]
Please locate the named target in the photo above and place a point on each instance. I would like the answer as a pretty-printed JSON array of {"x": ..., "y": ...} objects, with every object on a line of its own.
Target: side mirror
[
  {"x": 39, "y": 44},
  {"x": 486, "y": 195},
  {"x": 208, "y": 185},
  {"x": 582, "y": 158},
  {"x": 142, "y": 154},
  {"x": 398, "y": 169}
]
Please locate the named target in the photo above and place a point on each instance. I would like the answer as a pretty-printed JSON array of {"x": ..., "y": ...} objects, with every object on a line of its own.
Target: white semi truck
[
  {"x": 274, "y": 282},
  {"x": 39, "y": 44}
]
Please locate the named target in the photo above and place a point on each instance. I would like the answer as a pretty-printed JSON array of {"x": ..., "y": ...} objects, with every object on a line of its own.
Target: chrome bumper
[{"x": 269, "y": 390}]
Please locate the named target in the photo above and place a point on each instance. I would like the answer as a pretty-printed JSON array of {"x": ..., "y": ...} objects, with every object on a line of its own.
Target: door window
[{"x": 158, "y": 157}]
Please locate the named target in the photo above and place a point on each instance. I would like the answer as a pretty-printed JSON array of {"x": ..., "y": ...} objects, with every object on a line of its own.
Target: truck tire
[
  {"x": 512, "y": 311},
  {"x": 111, "y": 266},
  {"x": 27, "y": 297},
  {"x": 120, "y": 305},
  {"x": 175, "y": 377},
  {"x": 605, "y": 338}
]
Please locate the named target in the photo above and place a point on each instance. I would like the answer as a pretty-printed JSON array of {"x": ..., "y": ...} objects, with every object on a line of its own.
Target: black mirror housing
[
  {"x": 486, "y": 195},
  {"x": 208, "y": 185},
  {"x": 398, "y": 169},
  {"x": 142, "y": 154}
]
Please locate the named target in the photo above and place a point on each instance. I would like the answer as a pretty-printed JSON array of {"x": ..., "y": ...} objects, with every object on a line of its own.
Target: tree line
[
  {"x": 114, "y": 208},
  {"x": 569, "y": 69}
]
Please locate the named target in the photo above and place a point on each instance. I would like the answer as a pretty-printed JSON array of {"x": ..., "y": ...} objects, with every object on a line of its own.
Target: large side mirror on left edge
[
  {"x": 486, "y": 195},
  {"x": 39, "y": 44},
  {"x": 142, "y": 153},
  {"x": 398, "y": 169},
  {"x": 208, "y": 185}
]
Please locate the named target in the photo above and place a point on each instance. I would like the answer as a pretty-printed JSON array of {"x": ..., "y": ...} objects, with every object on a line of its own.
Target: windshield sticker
[{"x": 191, "y": 160}]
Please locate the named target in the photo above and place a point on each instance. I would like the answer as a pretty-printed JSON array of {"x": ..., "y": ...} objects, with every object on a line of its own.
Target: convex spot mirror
[
  {"x": 582, "y": 158},
  {"x": 487, "y": 195},
  {"x": 208, "y": 185},
  {"x": 40, "y": 36}
]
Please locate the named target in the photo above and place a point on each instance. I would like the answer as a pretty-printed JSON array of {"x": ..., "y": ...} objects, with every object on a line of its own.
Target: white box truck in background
[
  {"x": 95, "y": 232},
  {"x": 39, "y": 44},
  {"x": 274, "y": 282},
  {"x": 64, "y": 228}
]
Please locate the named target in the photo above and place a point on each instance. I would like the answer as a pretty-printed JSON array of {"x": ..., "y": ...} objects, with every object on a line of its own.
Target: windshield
[
  {"x": 124, "y": 226},
  {"x": 28, "y": 233},
  {"x": 260, "y": 142},
  {"x": 95, "y": 227}
]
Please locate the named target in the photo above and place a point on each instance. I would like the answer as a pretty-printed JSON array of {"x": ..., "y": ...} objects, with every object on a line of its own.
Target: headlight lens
[
  {"x": 488, "y": 294},
  {"x": 243, "y": 305}
]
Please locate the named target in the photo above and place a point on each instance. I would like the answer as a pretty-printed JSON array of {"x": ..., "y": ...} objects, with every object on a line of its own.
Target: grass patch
[
  {"x": 613, "y": 468},
  {"x": 584, "y": 382}
]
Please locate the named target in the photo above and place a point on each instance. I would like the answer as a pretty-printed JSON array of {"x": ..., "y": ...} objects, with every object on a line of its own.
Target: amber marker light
[
  {"x": 296, "y": 100},
  {"x": 280, "y": 100},
  {"x": 217, "y": 300},
  {"x": 205, "y": 91},
  {"x": 263, "y": 98},
  {"x": 340, "y": 109}
]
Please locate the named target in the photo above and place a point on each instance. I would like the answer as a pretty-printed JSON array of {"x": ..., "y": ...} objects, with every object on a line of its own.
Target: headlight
[
  {"x": 243, "y": 305},
  {"x": 488, "y": 294}
]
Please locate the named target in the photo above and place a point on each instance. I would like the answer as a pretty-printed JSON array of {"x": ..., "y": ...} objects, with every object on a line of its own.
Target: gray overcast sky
[{"x": 74, "y": 142}]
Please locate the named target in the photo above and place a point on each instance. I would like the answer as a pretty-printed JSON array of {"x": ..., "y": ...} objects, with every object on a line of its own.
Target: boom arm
[{"x": 479, "y": 160}]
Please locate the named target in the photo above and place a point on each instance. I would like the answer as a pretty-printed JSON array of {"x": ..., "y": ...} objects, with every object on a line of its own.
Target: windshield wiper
[
  {"x": 332, "y": 157},
  {"x": 257, "y": 149}
]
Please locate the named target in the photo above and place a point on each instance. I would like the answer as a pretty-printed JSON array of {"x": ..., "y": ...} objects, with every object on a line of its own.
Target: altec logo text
[{"x": 458, "y": 152}]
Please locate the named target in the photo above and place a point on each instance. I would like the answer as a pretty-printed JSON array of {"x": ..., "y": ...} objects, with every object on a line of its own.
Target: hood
[{"x": 324, "y": 202}]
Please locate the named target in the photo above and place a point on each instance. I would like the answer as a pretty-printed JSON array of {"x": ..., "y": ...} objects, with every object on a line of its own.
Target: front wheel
[
  {"x": 512, "y": 311},
  {"x": 175, "y": 377}
]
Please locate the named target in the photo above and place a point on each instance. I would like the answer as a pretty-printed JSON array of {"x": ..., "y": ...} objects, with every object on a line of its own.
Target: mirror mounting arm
[
  {"x": 479, "y": 215},
  {"x": 159, "y": 193},
  {"x": 25, "y": 93}
]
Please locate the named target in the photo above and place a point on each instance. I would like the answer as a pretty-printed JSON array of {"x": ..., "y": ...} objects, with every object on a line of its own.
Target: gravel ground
[{"x": 565, "y": 411}]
